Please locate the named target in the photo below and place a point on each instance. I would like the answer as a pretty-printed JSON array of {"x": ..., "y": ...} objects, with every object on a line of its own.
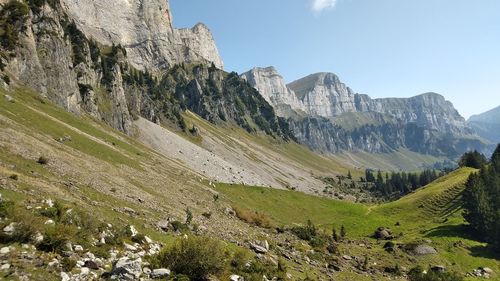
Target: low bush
[
  {"x": 195, "y": 257},
  {"x": 14, "y": 177},
  {"x": 138, "y": 238},
  {"x": 42, "y": 160},
  {"x": 55, "y": 238},
  {"x": 255, "y": 218}
]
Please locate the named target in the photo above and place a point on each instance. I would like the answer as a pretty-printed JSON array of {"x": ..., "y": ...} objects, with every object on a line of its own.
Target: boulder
[
  {"x": 235, "y": 277},
  {"x": 160, "y": 273},
  {"x": 383, "y": 233},
  {"x": 423, "y": 249},
  {"x": 127, "y": 269},
  {"x": 92, "y": 264},
  {"x": 258, "y": 248},
  {"x": 9, "y": 229},
  {"x": 4, "y": 251}
]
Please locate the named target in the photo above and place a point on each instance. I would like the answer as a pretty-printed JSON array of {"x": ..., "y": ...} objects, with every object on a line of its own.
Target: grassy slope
[{"x": 430, "y": 213}]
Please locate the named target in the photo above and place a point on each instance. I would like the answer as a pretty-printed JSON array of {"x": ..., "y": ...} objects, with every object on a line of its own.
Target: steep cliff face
[
  {"x": 272, "y": 87},
  {"x": 144, "y": 28},
  {"x": 77, "y": 52},
  {"x": 323, "y": 94}
]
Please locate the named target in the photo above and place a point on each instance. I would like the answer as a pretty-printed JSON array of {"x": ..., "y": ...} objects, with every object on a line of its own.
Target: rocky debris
[
  {"x": 235, "y": 277},
  {"x": 133, "y": 232},
  {"x": 127, "y": 269},
  {"x": 346, "y": 257},
  {"x": 260, "y": 247},
  {"x": 383, "y": 234},
  {"x": 164, "y": 225},
  {"x": 438, "y": 268},
  {"x": 482, "y": 272},
  {"x": 9, "y": 98},
  {"x": 9, "y": 229},
  {"x": 160, "y": 273}
]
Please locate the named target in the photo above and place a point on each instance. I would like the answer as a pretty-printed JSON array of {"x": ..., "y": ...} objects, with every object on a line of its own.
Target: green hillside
[{"x": 431, "y": 213}]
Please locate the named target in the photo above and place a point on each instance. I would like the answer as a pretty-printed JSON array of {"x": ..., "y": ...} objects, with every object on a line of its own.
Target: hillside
[{"x": 115, "y": 179}]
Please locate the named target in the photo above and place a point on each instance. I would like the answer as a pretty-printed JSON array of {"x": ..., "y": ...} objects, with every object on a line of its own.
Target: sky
[{"x": 383, "y": 48}]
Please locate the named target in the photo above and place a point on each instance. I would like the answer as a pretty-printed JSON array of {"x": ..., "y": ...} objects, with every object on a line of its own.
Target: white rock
[
  {"x": 133, "y": 231},
  {"x": 5, "y": 266},
  {"x": 160, "y": 273},
  {"x": 9, "y": 229},
  {"x": 235, "y": 277},
  {"x": 129, "y": 247},
  {"x": 78, "y": 248},
  {"x": 4, "y": 250},
  {"x": 84, "y": 271},
  {"x": 65, "y": 276},
  {"x": 148, "y": 240},
  {"x": 50, "y": 222}
]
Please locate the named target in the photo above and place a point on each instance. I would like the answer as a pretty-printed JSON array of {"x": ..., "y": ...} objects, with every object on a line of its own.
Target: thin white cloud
[{"x": 319, "y": 6}]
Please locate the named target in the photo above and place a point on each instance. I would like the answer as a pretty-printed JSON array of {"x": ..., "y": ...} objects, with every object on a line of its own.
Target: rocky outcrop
[
  {"x": 144, "y": 28},
  {"x": 272, "y": 87}
]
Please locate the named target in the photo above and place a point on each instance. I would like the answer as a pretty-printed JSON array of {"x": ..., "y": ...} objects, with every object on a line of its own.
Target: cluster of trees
[
  {"x": 472, "y": 159},
  {"x": 400, "y": 183},
  {"x": 12, "y": 23},
  {"x": 481, "y": 200}
]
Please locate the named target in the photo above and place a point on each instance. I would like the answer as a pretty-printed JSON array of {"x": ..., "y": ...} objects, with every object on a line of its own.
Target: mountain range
[{"x": 125, "y": 65}]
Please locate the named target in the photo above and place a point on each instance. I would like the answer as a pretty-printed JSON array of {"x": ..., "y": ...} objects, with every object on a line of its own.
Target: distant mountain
[
  {"x": 487, "y": 124},
  {"x": 329, "y": 116}
]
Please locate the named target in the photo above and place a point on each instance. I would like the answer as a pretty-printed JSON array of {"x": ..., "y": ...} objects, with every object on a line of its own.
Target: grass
[
  {"x": 39, "y": 116},
  {"x": 424, "y": 214}
]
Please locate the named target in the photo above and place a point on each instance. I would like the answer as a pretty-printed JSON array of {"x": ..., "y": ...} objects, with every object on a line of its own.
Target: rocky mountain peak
[
  {"x": 144, "y": 28},
  {"x": 273, "y": 88}
]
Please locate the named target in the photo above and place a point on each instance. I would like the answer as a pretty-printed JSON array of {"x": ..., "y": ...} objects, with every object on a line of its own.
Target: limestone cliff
[
  {"x": 272, "y": 87},
  {"x": 144, "y": 28},
  {"x": 328, "y": 116}
]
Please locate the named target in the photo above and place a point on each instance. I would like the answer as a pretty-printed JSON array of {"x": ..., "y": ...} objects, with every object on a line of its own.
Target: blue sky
[{"x": 383, "y": 48}]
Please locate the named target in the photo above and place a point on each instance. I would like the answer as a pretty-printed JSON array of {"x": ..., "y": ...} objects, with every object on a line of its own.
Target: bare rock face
[
  {"x": 144, "y": 28},
  {"x": 200, "y": 41},
  {"x": 272, "y": 87},
  {"x": 43, "y": 59}
]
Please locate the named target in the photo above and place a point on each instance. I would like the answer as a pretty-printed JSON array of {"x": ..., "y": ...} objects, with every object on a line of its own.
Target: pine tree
[
  {"x": 343, "y": 232},
  {"x": 335, "y": 236}
]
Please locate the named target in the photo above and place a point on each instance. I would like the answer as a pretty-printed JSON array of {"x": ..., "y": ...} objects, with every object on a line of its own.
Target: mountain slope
[{"x": 487, "y": 124}]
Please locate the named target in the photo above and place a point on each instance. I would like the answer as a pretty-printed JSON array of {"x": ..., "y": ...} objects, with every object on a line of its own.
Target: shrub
[
  {"x": 42, "y": 160},
  {"x": 307, "y": 232},
  {"x": 179, "y": 226},
  {"x": 138, "y": 238},
  {"x": 14, "y": 177},
  {"x": 189, "y": 216},
  {"x": 68, "y": 264},
  {"x": 5, "y": 208},
  {"x": 55, "y": 238},
  {"x": 255, "y": 218},
  {"x": 196, "y": 257},
  {"x": 24, "y": 231},
  {"x": 207, "y": 215}
]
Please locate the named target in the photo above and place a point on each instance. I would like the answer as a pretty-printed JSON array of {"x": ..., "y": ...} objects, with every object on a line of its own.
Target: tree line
[
  {"x": 400, "y": 183},
  {"x": 481, "y": 197}
]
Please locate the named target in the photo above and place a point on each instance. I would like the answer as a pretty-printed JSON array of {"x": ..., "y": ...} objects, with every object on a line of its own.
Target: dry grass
[{"x": 251, "y": 217}]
